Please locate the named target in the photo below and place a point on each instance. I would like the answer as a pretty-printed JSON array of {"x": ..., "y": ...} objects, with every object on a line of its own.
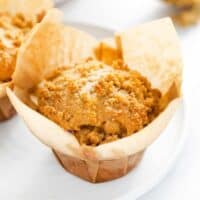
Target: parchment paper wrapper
[
  {"x": 154, "y": 46},
  {"x": 28, "y": 8}
]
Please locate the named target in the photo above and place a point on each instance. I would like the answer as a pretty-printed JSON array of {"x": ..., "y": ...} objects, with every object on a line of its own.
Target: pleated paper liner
[
  {"x": 155, "y": 55},
  {"x": 105, "y": 170}
]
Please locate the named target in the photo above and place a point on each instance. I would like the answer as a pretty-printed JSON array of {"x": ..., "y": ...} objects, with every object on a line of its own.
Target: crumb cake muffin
[
  {"x": 189, "y": 11},
  {"x": 13, "y": 30},
  {"x": 98, "y": 103},
  {"x": 98, "y": 118}
]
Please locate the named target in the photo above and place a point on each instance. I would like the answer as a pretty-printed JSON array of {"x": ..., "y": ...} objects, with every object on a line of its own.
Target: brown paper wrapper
[{"x": 99, "y": 171}]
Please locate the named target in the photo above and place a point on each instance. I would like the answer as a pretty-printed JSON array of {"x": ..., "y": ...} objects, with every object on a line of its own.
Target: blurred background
[{"x": 183, "y": 179}]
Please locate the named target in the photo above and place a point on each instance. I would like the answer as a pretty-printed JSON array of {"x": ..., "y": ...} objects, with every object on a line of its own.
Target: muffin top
[
  {"x": 13, "y": 29},
  {"x": 96, "y": 102}
]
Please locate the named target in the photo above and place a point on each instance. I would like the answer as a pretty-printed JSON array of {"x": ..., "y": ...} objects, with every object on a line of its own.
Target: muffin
[
  {"x": 16, "y": 21},
  {"x": 97, "y": 118},
  {"x": 188, "y": 12}
]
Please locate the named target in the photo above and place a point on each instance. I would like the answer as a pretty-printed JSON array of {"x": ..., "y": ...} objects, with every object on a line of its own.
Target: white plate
[{"x": 29, "y": 170}]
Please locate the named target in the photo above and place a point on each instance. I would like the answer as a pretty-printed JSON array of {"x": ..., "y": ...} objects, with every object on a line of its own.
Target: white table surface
[{"x": 182, "y": 182}]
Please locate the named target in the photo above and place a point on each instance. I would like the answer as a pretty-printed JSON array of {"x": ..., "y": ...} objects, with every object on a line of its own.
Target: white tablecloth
[{"x": 182, "y": 182}]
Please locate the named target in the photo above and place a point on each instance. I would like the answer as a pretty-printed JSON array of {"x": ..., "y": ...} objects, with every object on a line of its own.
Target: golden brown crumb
[
  {"x": 13, "y": 30},
  {"x": 98, "y": 103}
]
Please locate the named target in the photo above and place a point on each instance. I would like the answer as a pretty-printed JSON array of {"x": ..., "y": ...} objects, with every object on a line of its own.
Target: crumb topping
[{"x": 98, "y": 103}]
